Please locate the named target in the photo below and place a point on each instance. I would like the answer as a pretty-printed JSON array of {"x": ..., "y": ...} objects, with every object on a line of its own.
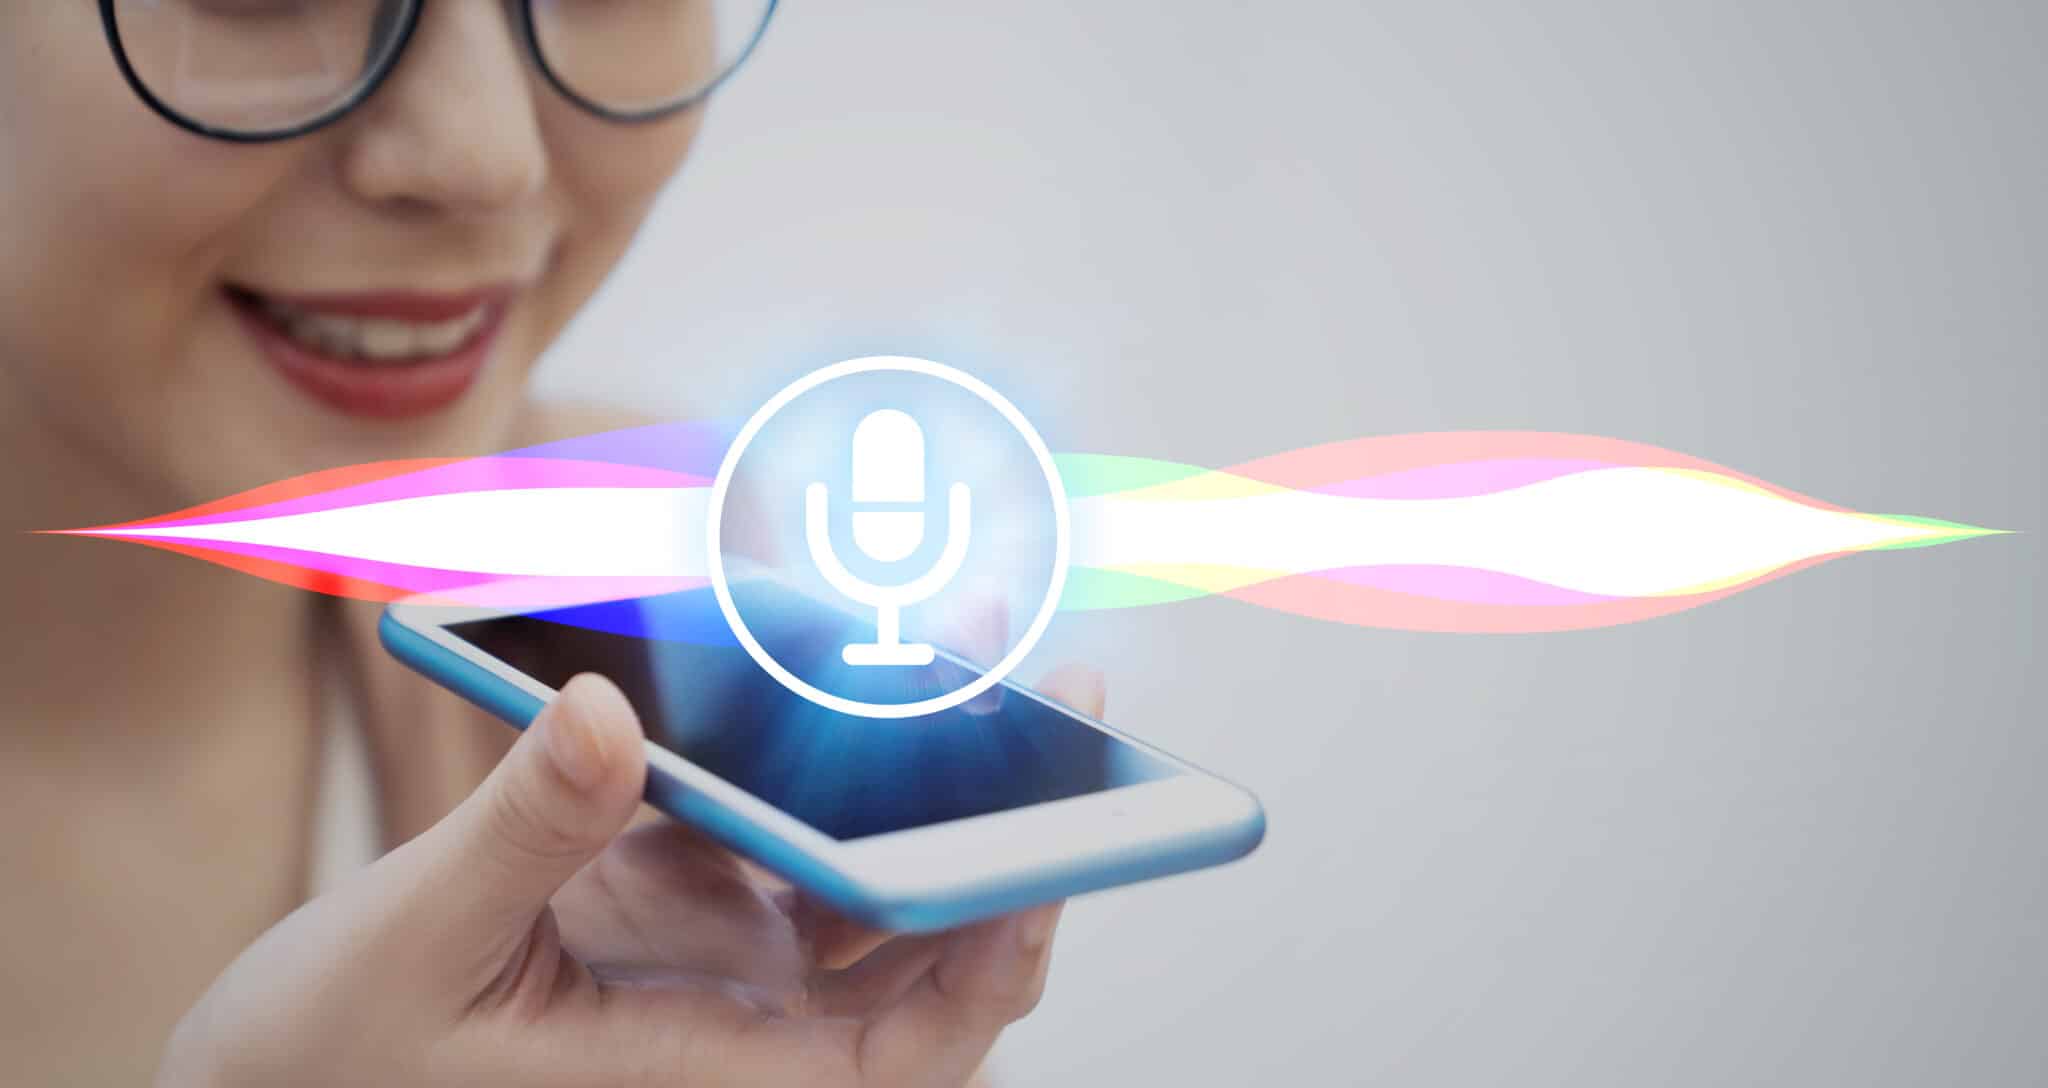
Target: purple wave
[
  {"x": 691, "y": 446},
  {"x": 496, "y": 473},
  {"x": 1468, "y": 585},
  {"x": 1461, "y": 480},
  {"x": 553, "y": 593},
  {"x": 396, "y": 575},
  {"x": 453, "y": 586}
]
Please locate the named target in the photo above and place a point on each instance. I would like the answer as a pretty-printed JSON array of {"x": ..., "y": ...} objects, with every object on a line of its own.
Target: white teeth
[{"x": 375, "y": 339}]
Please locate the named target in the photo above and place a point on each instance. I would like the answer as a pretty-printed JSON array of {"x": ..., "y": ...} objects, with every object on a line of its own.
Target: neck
[{"x": 119, "y": 654}]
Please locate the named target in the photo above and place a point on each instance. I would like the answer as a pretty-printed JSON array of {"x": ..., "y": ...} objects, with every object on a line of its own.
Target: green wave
[
  {"x": 1956, "y": 531},
  {"x": 1092, "y": 588},
  {"x": 1087, "y": 474},
  {"x": 1932, "y": 541}
]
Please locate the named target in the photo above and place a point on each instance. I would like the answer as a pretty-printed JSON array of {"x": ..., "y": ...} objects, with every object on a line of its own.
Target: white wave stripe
[
  {"x": 1623, "y": 532},
  {"x": 556, "y": 532},
  {"x": 1615, "y": 532}
]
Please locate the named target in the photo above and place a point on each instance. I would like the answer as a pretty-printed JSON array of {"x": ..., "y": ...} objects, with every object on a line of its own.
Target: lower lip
[{"x": 373, "y": 390}]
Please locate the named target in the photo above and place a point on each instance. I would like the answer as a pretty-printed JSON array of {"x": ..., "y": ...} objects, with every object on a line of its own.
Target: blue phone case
[{"x": 814, "y": 874}]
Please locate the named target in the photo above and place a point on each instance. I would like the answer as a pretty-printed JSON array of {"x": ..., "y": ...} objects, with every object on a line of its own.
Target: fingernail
[
  {"x": 573, "y": 743},
  {"x": 1098, "y": 692}
]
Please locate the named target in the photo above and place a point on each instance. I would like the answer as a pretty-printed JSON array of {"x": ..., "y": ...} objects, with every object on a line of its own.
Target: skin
[
  {"x": 160, "y": 719},
  {"x": 445, "y": 963}
]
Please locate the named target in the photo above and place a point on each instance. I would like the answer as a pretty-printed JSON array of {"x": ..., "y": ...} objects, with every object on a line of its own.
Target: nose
[{"x": 454, "y": 127}]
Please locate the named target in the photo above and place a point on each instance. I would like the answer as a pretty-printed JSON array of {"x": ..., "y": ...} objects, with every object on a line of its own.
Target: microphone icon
[{"x": 888, "y": 472}]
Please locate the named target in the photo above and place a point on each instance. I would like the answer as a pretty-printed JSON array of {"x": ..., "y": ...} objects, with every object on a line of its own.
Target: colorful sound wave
[
  {"x": 1462, "y": 531},
  {"x": 564, "y": 523},
  {"x": 1459, "y": 531}
]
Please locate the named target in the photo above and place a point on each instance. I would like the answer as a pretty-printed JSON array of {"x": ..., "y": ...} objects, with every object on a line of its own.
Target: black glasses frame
[{"x": 368, "y": 85}]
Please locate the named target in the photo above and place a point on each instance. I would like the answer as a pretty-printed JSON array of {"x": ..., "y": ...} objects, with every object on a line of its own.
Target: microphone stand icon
[{"x": 888, "y": 470}]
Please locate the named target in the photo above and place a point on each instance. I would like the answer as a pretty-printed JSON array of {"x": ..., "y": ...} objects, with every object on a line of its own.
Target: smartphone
[{"x": 910, "y": 824}]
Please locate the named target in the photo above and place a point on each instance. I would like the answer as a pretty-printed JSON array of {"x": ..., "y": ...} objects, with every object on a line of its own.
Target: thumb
[{"x": 569, "y": 785}]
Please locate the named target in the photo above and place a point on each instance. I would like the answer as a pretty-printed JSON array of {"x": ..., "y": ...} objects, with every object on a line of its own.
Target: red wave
[
  {"x": 1369, "y": 606},
  {"x": 289, "y": 574},
  {"x": 1357, "y": 458},
  {"x": 298, "y": 487}
]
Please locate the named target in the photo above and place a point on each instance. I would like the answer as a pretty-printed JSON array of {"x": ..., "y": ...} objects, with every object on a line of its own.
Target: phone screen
[{"x": 706, "y": 700}]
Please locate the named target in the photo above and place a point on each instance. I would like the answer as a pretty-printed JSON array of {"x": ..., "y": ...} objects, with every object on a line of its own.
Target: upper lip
[{"x": 394, "y": 304}]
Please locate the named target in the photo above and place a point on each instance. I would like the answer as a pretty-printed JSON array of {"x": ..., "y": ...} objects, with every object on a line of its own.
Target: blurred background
[{"x": 1792, "y": 837}]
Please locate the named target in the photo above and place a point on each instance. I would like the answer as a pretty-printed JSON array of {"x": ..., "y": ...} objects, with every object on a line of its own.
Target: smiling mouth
[
  {"x": 390, "y": 354},
  {"x": 373, "y": 340}
]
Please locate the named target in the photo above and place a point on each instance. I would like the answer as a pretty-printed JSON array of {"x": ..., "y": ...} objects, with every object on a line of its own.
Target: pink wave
[
  {"x": 1366, "y": 605},
  {"x": 531, "y": 593},
  {"x": 402, "y": 576},
  {"x": 372, "y": 579},
  {"x": 1468, "y": 585},
  {"x": 1461, "y": 480},
  {"x": 480, "y": 474},
  {"x": 1339, "y": 464}
]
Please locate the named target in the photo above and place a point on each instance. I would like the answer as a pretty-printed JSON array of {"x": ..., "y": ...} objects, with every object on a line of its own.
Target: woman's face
[{"x": 200, "y": 317}]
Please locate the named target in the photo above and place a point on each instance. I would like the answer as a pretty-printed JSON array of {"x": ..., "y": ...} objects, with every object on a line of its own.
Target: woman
[{"x": 302, "y": 234}]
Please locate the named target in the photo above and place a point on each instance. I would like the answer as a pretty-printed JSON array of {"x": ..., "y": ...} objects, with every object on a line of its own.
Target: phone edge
[{"x": 1201, "y": 849}]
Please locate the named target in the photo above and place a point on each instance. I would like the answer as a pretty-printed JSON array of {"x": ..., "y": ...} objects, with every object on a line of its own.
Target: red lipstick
[{"x": 376, "y": 354}]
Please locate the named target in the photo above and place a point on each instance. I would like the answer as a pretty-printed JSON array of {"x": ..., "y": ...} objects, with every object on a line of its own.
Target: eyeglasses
[{"x": 259, "y": 70}]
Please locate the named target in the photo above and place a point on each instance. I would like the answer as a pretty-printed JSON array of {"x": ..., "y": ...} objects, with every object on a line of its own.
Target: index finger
[{"x": 926, "y": 1010}]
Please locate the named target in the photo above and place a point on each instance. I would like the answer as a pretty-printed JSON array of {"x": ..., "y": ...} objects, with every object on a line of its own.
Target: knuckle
[
  {"x": 1026, "y": 999},
  {"x": 522, "y": 821}
]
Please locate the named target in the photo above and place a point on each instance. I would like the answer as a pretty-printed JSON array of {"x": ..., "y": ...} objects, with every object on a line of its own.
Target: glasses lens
[
  {"x": 257, "y": 66},
  {"x": 639, "y": 57}
]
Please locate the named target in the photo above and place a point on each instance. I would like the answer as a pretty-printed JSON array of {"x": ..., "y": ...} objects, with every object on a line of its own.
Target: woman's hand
[{"x": 444, "y": 962}]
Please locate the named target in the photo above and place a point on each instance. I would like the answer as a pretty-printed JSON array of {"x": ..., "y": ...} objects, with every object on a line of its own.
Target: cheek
[
  {"x": 124, "y": 215},
  {"x": 609, "y": 174},
  {"x": 116, "y": 226},
  {"x": 612, "y": 169}
]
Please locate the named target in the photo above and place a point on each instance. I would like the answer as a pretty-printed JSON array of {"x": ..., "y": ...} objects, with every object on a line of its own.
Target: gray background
[{"x": 1794, "y": 837}]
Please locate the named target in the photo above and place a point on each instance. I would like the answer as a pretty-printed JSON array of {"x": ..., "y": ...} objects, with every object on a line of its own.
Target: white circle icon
[{"x": 884, "y": 434}]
